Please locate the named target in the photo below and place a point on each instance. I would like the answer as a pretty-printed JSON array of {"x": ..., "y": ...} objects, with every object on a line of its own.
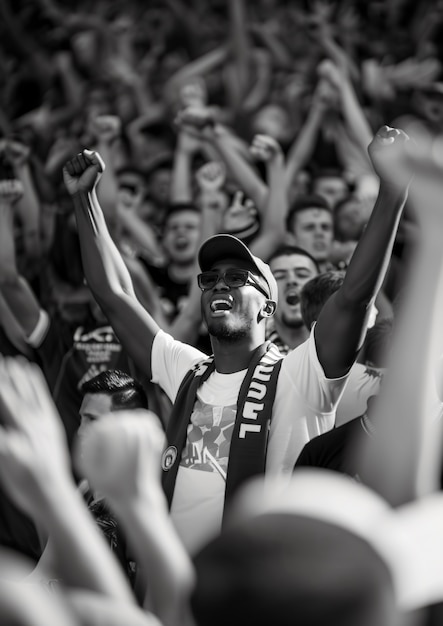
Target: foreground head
[
  {"x": 239, "y": 291},
  {"x": 310, "y": 221},
  {"x": 284, "y": 558},
  {"x": 108, "y": 392},
  {"x": 292, "y": 267}
]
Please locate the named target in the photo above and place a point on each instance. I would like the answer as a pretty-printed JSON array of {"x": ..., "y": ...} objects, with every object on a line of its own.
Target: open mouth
[
  {"x": 221, "y": 305},
  {"x": 292, "y": 299}
]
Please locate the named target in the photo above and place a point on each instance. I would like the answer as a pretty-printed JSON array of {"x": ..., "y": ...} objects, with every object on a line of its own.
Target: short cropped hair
[
  {"x": 316, "y": 292},
  {"x": 302, "y": 203},
  {"x": 125, "y": 391},
  {"x": 287, "y": 250}
]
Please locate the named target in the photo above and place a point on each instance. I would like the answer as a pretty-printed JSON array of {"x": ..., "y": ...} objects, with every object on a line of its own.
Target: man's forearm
[
  {"x": 370, "y": 260},
  {"x": 104, "y": 267}
]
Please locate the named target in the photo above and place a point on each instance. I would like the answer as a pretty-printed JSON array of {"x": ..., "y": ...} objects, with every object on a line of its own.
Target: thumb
[{"x": 94, "y": 159}]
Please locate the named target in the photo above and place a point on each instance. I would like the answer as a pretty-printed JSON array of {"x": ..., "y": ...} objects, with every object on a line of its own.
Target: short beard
[{"x": 228, "y": 334}]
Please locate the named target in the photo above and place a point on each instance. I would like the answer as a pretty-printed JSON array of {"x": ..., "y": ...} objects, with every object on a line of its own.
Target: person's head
[
  {"x": 273, "y": 120},
  {"x": 282, "y": 564},
  {"x": 181, "y": 233},
  {"x": 350, "y": 218},
  {"x": 131, "y": 187},
  {"x": 310, "y": 221},
  {"x": 292, "y": 267},
  {"x": 110, "y": 391},
  {"x": 330, "y": 185},
  {"x": 239, "y": 291},
  {"x": 315, "y": 292}
]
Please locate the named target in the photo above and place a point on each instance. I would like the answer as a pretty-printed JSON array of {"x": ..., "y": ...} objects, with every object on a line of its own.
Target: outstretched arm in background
[
  {"x": 341, "y": 325},
  {"x": 273, "y": 226},
  {"x": 200, "y": 119}
]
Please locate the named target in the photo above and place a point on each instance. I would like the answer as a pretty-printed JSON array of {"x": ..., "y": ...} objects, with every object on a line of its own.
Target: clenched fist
[{"x": 82, "y": 173}]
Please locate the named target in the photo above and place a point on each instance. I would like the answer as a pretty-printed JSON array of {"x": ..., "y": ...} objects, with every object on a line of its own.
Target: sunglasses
[{"x": 232, "y": 278}]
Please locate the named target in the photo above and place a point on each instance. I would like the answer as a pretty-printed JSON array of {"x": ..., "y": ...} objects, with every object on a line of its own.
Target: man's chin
[
  {"x": 293, "y": 322},
  {"x": 227, "y": 333}
]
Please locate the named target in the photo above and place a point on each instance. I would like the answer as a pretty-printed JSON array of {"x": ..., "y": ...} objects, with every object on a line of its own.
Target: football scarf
[{"x": 247, "y": 456}]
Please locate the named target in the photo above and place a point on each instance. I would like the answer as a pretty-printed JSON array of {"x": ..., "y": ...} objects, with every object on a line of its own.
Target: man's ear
[{"x": 269, "y": 307}]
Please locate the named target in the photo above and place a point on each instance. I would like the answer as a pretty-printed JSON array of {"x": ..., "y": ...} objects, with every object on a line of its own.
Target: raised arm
[
  {"x": 341, "y": 325},
  {"x": 272, "y": 231},
  {"x": 105, "y": 270},
  {"x": 130, "y": 449},
  {"x": 36, "y": 473},
  {"x": 304, "y": 144},
  {"x": 242, "y": 172},
  {"x": 15, "y": 290},
  {"x": 28, "y": 205},
  {"x": 401, "y": 473}
]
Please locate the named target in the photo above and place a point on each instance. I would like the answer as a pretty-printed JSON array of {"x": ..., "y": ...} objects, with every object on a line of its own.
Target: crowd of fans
[{"x": 132, "y": 135}]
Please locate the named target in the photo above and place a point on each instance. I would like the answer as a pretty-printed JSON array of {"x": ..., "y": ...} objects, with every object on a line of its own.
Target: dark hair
[
  {"x": 302, "y": 203},
  {"x": 179, "y": 207},
  {"x": 125, "y": 391},
  {"x": 377, "y": 341},
  {"x": 288, "y": 250},
  {"x": 316, "y": 291}
]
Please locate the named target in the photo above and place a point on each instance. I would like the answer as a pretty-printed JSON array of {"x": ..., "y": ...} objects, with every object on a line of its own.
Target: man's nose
[{"x": 221, "y": 284}]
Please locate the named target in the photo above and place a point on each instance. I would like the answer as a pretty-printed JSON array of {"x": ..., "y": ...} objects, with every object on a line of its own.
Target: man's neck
[
  {"x": 233, "y": 357},
  {"x": 292, "y": 337}
]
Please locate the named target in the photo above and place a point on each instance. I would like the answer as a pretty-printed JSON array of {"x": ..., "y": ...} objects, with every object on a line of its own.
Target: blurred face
[
  {"x": 291, "y": 271},
  {"x": 272, "y": 120},
  {"x": 131, "y": 190},
  {"x": 84, "y": 46},
  {"x": 331, "y": 188},
  {"x": 159, "y": 186},
  {"x": 313, "y": 231},
  {"x": 230, "y": 313},
  {"x": 351, "y": 219},
  {"x": 93, "y": 407},
  {"x": 181, "y": 236}
]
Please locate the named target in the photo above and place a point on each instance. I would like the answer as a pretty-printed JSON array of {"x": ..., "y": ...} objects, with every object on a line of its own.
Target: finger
[
  {"x": 95, "y": 159},
  {"x": 238, "y": 198},
  {"x": 69, "y": 168},
  {"x": 77, "y": 166}
]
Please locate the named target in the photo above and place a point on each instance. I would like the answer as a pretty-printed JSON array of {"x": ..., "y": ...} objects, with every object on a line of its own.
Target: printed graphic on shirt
[
  {"x": 209, "y": 438},
  {"x": 98, "y": 349}
]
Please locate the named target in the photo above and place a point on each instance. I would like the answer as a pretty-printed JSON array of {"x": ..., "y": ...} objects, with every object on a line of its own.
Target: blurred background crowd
[{"x": 257, "y": 113}]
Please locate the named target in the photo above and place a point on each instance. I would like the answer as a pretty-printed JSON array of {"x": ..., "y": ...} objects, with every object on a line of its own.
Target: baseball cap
[
  {"x": 407, "y": 539},
  {"x": 226, "y": 246}
]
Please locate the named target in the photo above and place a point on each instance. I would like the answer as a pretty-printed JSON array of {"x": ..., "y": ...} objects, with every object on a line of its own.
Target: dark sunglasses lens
[
  {"x": 207, "y": 280},
  {"x": 236, "y": 278}
]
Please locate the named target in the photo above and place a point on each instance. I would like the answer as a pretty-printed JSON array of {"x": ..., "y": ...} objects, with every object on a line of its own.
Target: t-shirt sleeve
[
  {"x": 171, "y": 359},
  {"x": 306, "y": 372}
]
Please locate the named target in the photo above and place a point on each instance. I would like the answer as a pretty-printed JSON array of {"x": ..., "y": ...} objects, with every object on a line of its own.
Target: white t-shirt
[
  {"x": 363, "y": 382},
  {"x": 304, "y": 407}
]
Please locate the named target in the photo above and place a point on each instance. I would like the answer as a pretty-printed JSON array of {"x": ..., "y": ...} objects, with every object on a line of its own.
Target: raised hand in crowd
[
  {"x": 121, "y": 457},
  {"x": 36, "y": 473}
]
